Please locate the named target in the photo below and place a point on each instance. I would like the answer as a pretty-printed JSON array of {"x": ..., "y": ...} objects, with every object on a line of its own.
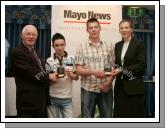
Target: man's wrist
[{"x": 92, "y": 72}]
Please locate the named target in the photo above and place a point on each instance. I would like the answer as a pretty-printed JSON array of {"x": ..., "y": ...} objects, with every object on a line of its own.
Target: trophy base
[
  {"x": 61, "y": 76},
  {"x": 107, "y": 73}
]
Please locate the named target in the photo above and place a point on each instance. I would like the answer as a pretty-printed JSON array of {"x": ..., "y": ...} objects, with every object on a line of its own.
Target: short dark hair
[
  {"x": 57, "y": 36},
  {"x": 126, "y": 20},
  {"x": 91, "y": 20}
]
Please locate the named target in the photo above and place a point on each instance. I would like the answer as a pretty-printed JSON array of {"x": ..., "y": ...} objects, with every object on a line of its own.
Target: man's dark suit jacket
[
  {"x": 134, "y": 67},
  {"x": 31, "y": 92}
]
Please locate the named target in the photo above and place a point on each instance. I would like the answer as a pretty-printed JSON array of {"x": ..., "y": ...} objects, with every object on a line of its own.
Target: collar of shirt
[
  {"x": 126, "y": 43},
  {"x": 29, "y": 48},
  {"x": 92, "y": 44},
  {"x": 65, "y": 55}
]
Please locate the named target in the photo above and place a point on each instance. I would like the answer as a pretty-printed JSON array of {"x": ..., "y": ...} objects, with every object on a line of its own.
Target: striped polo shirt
[{"x": 93, "y": 57}]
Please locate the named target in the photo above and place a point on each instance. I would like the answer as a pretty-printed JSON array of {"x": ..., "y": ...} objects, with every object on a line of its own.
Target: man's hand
[
  {"x": 98, "y": 73},
  {"x": 115, "y": 72},
  {"x": 105, "y": 87},
  {"x": 68, "y": 73},
  {"x": 53, "y": 76},
  {"x": 71, "y": 74}
]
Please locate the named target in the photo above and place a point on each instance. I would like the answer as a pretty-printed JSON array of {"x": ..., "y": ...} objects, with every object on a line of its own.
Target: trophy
[
  {"x": 64, "y": 65},
  {"x": 107, "y": 65},
  {"x": 60, "y": 71}
]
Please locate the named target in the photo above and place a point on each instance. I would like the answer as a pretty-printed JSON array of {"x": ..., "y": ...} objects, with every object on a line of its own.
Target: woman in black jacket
[{"x": 129, "y": 85}]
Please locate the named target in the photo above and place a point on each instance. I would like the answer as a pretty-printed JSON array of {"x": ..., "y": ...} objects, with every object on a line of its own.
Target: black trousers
[{"x": 128, "y": 106}]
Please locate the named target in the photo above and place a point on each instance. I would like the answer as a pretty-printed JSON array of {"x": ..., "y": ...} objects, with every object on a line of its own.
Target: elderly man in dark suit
[{"x": 30, "y": 76}]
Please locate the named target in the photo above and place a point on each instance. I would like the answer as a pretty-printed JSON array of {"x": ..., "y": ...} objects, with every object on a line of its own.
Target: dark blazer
[
  {"x": 133, "y": 68},
  {"x": 31, "y": 92}
]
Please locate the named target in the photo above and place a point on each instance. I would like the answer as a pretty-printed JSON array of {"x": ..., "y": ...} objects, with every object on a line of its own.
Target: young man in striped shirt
[{"x": 96, "y": 86}]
